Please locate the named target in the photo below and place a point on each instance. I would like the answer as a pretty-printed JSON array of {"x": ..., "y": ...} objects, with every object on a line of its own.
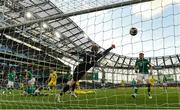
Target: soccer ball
[{"x": 133, "y": 31}]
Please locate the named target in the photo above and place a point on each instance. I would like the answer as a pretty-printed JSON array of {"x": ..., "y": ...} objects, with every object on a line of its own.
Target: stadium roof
[{"x": 60, "y": 36}]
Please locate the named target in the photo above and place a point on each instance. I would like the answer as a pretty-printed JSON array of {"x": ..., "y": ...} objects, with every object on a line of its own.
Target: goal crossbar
[{"x": 62, "y": 16}]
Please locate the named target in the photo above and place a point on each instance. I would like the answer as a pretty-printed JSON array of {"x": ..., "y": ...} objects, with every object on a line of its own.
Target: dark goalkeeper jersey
[
  {"x": 89, "y": 60},
  {"x": 90, "y": 57}
]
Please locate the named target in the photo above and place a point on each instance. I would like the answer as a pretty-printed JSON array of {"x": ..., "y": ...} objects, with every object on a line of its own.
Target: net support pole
[{"x": 62, "y": 16}]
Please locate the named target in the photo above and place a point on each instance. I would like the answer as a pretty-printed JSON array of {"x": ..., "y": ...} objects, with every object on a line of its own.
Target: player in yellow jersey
[
  {"x": 80, "y": 91},
  {"x": 152, "y": 80},
  {"x": 52, "y": 80}
]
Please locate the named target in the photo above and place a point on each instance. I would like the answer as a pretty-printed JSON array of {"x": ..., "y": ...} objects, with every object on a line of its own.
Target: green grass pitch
[{"x": 119, "y": 98}]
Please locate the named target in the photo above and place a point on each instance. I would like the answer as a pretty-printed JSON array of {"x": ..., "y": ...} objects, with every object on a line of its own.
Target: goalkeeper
[{"x": 90, "y": 58}]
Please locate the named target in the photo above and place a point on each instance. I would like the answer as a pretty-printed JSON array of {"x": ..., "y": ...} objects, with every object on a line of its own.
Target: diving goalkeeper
[{"x": 90, "y": 58}]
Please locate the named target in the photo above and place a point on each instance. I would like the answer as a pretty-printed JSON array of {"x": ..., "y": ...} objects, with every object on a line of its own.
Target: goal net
[{"x": 45, "y": 43}]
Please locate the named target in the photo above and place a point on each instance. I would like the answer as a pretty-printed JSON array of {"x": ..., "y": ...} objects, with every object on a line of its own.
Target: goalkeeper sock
[
  {"x": 73, "y": 86},
  {"x": 65, "y": 89}
]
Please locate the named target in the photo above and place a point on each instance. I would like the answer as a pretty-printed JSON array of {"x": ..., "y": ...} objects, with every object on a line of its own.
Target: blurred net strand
[{"x": 76, "y": 13}]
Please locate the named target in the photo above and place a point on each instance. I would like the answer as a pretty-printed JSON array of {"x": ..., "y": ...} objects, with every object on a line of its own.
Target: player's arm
[
  {"x": 74, "y": 52},
  {"x": 30, "y": 75},
  {"x": 56, "y": 76},
  {"x": 80, "y": 54},
  {"x": 101, "y": 54},
  {"x": 48, "y": 78}
]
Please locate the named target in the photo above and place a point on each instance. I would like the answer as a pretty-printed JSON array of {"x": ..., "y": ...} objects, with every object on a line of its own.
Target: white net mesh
[{"x": 39, "y": 36}]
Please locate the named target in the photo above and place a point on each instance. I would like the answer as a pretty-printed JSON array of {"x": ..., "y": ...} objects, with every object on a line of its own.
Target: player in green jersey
[
  {"x": 29, "y": 82},
  {"x": 21, "y": 81},
  {"x": 29, "y": 77},
  {"x": 11, "y": 80},
  {"x": 134, "y": 85},
  {"x": 165, "y": 83},
  {"x": 142, "y": 66}
]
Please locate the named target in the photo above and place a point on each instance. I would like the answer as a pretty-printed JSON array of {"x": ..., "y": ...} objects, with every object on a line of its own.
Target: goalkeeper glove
[{"x": 113, "y": 46}]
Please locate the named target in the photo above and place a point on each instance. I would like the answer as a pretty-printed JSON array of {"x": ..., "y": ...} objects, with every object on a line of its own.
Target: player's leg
[
  {"x": 72, "y": 81},
  {"x": 21, "y": 85},
  {"x": 50, "y": 85},
  {"x": 25, "y": 93},
  {"x": 146, "y": 77},
  {"x": 53, "y": 86},
  {"x": 139, "y": 81},
  {"x": 65, "y": 89},
  {"x": 32, "y": 81},
  {"x": 38, "y": 91},
  {"x": 6, "y": 88},
  {"x": 67, "y": 86},
  {"x": 77, "y": 74},
  {"x": 165, "y": 87},
  {"x": 73, "y": 87},
  {"x": 137, "y": 87},
  {"x": 26, "y": 90},
  {"x": 29, "y": 88},
  {"x": 79, "y": 71},
  {"x": 76, "y": 79},
  {"x": 10, "y": 86},
  {"x": 72, "y": 90}
]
